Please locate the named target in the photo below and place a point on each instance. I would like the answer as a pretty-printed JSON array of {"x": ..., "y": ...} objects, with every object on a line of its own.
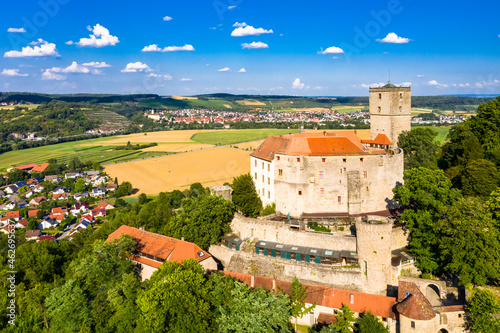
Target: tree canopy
[{"x": 245, "y": 198}]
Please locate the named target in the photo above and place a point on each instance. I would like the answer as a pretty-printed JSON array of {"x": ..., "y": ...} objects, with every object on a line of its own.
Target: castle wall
[
  {"x": 374, "y": 252},
  {"x": 341, "y": 184},
  {"x": 399, "y": 238},
  {"x": 420, "y": 326},
  {"x": 390, "y": 111},
  {"x": 275, "y": 231},
  {"x": 262, "y": 173}
]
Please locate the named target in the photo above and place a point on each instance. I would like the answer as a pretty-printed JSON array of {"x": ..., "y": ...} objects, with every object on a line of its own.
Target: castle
[{"x": 333, "y": 174}]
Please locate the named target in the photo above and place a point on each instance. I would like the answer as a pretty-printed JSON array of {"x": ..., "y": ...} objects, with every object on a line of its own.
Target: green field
[
  {"x": 441, "y": 130},
  {"x": 64, "y": 152},
  {"x": 227, "y": 138}
]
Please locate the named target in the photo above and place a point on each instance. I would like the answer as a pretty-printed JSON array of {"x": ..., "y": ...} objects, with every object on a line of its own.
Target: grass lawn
[
  {"x": 223, "y": 137},
  {"x": 442, "y": 132}
]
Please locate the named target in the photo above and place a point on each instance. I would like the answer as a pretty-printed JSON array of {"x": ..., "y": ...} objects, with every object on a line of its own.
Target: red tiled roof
[
  {"x": 59, "y": 210},
  {"x": 450, "y": 308},
  {"x": 41, "y": 168},
  {"x": 12, "y": 214},
  {"x": 26, "y": 166},
  {"x": 32, "y": 213},
  {"x": 406, "y": 287},
  {"x": 33, "y": 167},
  {"x": 23, "y": 222},
  {"x": 380, "y": 306},
  {"x": 313, "y": 144},
  {"x": 103, "y": 205},
  {"x": 57, "y": 217},
  {"x": 380, "y": 139},
  {"x": 162, "y": 247},
  {"x": 32, "y": 233},
  {"x": 51, "y": 238},
  {"x": 417, "y": 307}
]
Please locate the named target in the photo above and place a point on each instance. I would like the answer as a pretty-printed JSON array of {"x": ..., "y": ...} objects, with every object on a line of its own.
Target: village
[{"x": 55, "y": 207}]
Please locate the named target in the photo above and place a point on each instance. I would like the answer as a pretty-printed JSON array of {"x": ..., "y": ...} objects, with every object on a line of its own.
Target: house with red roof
[
  {"x": 32, "y": 167},
  {"x": 104, "y": 205},
  {"x": 22, "y": 223},
  {"x": 152, "y": 250},
  {"x": 13, "y": 215},
  {"x": 33, "y": 213},
  {"x": 60, "y": 211}
]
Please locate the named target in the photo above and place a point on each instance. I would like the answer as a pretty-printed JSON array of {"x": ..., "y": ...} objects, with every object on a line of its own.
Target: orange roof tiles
[
  {"x": 313, "y": 144},
  {"x": 32, "y": 213},
  {"x": 33, "y": 167},
  {"x": 417, "y": 307},
  {"x": 406, "y": 287},
  {"x": 12, "y": 214},
  {"x": 380, "y": 139},
  {"x": 41, "y": 168},
  {"x": 162, "y": 247},
  {"x": 380, "y": 306}
]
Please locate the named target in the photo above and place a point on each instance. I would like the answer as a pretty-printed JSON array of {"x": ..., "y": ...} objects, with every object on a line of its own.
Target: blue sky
[{"x": 306, "y": 48}]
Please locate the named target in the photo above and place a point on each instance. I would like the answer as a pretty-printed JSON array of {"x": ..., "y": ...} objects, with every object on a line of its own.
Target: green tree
[
  {"x": 419, "y": 146},
  {"x": 96, "y": 166},
  {"x": 298, "y": 295},
  {"x": 427, "y": 193},
  {"x": 80, "y": 185},
  {"x": 480, "y": 178},
  {"x": 17, "y": 175},
  {"x": 482, "y": 311},
  {"x": 176, "y": 300},
  {"x": 75, "y": 163},
  {"x": 469, "y": 242},
  {"x": 254, "y": 311},
  {"x": 63, "y": 298},
  {"x": 197, "y": 189},
  {"x": 368, "y": 323},
  {"x": 269, "y": 209},
  {"x": 245, "y": 197},
  {"x": 142, "y": 199},
  {"x": 345, "y": 320},
  {"x": 493, "y": 204},
  {"x": 124, "y": 189}
]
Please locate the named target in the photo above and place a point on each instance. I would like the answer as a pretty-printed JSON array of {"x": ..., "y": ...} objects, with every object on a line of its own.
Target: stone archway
[
  {"x": 442, "y": 331},
  {"x": 432, "y": 293}
]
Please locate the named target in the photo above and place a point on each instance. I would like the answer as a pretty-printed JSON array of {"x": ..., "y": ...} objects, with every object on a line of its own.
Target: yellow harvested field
[
  {"x": 228, "y": 106},
  {"x": 364, "y": 134},
  {"x": 251, "y": 102},
  {"x": 311, "y": 109},
  {"x": 347, "y": 107},
  {"x": 163, "y": 136},
  {"x": 210, "y": 167},
  {"x": 183, "y": 97},
  {"x": 178, "y": 147},
  {"x": 250, "y": 145}
]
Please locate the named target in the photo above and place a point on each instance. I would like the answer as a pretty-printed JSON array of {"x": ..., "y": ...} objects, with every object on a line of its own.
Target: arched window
[{"x": 379, "y": 96}]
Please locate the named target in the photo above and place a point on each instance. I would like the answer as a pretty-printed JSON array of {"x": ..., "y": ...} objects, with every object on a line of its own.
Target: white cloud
[
  {"x": 405, "y": 84},
  {"x": 16, "y": 30},
  {"x": 164, "y": 77},
  {"x": 57, "y": 73},
  {"x": 136, "y": 67},
  {"x": 373, "y": 85},
  {"x": 420, "y": 75},
  {"x": 225, "y": 69},
  {"x": 155, "y": 48},
  {"x": 167, "y": 18},
  {"x": 436, "y": 84},
  {"x": 96, "y": 64},
  {"x": 44, "y": 49},
  {"x": 242, "y": 70},
  {"x": 240, "y": 25},
  {"x": 254, "y": 45},
  {"x": 48, "y": 75},
  {"x": 12, "y": 72},
  {"x": 100, "y": 37},
  {"x": 231, "y": 7},
  {"x": 248, "y": 30},
  {"x": 331, "y": 50},
  {"x": 484, "y": 84},
  {"x": 186, "y": 79},
  {"x": 296, "y": 84},
  {"x": 394, "y": 39}
]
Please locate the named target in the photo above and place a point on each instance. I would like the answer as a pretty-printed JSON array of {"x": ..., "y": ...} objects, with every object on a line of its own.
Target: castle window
[
  {"x": 340, "y": 170},
  {"x": 263, "y": 192},
  {"x": 262, "y": 165},
  {"x": 269, "y": 194},
  {"x": 339, "y": 199},
  {"x": 361, "y": 159},
  {"x": 400, "y": 95},
  {"x": 344, "y": 160},
  {"x": 412, "y": 324},
  {"x": 278, "y": 158},
  {"x": 256, "y": 175},
  {"x": 300, "y": 192},
  {"x": 340, "y": 181},
  {"x": 323, "y": 160},
  {"x": 379, "y": 109},
  {"x": 262, "y": 178},
  {"x": 269, "y": 167},
  {"x": 268, "y": 181},
  {"x": 367, "y": 190},
  {"x": 321, "y": 175},
  {"x": 365, "y": 174},
  {"x": 345, "y": 169},
  {"x": 400, "y": 109},
  {"x": 280, "y": 172},
  {"x": 298, "y": 159},
  {"x": 322, "y": 191},
  {"x": 255, "y": 162},
  {"x": 379, "y": 96}
]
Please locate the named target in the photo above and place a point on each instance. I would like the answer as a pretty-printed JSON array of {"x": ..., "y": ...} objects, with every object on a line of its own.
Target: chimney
[
  {"x": 182, "y": 238},
  {"x": 252, "y": 281}
]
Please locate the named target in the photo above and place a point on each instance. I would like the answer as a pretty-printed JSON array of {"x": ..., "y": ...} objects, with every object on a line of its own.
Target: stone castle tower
[{"x": 390, "y": 111}]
